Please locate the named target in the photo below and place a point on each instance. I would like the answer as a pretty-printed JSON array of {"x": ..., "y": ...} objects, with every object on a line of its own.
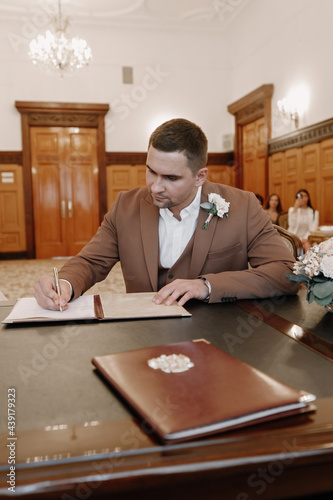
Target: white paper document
[
  {"x": 111, "y": 306},
  {"x": 28, "y": 309}
]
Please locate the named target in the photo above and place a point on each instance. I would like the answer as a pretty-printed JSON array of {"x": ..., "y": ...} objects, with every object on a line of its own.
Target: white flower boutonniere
[{"x": 216, "y": 205}]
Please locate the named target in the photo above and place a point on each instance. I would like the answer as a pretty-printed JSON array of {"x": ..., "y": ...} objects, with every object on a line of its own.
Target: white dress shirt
[{"x": 175, "y": 234}]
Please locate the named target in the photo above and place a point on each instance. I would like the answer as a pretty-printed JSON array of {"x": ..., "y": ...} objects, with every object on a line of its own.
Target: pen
[{"x": 55, "y": 271}]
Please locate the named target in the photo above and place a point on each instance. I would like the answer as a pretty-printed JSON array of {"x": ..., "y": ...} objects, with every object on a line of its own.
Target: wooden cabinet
[{"x": 12, "y": 220}]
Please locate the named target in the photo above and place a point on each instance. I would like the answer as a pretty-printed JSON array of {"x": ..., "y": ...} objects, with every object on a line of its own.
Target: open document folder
[
  {"x": 191, "y": 389},
  {"x": 111, "y": 306}
]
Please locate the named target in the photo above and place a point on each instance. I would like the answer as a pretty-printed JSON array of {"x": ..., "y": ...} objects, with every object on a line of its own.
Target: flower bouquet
[{"x": 314, "y": 269}]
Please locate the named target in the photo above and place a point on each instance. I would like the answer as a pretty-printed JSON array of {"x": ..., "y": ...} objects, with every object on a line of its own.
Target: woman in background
[
  {"x": 273, "y": 207},
  {"x": 303, "y": 218}
]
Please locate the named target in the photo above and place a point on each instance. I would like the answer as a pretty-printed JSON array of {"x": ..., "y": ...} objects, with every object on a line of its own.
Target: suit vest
[{"x": 179, "y": 270}]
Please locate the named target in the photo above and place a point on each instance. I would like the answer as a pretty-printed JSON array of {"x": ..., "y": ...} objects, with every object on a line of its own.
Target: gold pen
[{"x": 56, "y": 279}]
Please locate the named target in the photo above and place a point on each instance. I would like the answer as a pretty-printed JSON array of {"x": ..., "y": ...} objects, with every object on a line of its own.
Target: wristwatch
[{"x": 208, "y": 286}]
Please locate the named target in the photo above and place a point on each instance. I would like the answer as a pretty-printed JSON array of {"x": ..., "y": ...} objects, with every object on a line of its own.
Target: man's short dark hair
[{"x": 183, "y": 136}]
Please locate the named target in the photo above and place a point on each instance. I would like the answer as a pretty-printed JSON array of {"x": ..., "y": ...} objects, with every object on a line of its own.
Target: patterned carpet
[{"x": 18, "y": 277}]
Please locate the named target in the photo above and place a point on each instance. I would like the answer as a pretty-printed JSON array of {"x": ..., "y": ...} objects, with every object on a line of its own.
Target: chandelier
[{"x": 56, "y": 52}]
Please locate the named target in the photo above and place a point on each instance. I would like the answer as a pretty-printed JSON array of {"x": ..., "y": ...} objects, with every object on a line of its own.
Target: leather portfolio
[
  {"x": 190, "y": 389},
  {"x": 112, "y": 306}
]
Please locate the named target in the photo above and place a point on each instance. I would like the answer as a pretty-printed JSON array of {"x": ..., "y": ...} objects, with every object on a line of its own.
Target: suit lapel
[
  {"x": 149, "y": 215},
  {"x": 202, "y": 237}
]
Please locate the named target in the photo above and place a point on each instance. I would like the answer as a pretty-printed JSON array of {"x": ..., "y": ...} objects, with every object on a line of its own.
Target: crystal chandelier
[{"x": 55, "y": 52}]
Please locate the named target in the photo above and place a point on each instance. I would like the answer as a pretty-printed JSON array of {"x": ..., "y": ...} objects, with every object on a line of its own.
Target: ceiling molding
[
  {"x": 198, "y": 15},
  {"x": 307, "y": 135}
]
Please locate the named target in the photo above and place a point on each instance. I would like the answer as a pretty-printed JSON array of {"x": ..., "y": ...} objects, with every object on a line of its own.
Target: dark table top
[
  {"x": 50, "y": 367},
  {"x": 56, "y": 386}
]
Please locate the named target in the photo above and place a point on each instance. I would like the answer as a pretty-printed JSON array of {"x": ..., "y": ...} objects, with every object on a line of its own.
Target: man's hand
[
  {"x": 183, "y": 290},
  {"x": 46, "y": 294}
]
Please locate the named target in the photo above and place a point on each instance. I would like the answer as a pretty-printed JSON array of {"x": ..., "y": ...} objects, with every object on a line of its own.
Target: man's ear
[{"x": 201, "y": 176}]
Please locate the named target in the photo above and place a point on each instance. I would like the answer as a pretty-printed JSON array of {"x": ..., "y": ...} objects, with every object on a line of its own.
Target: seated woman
[
  {"x": 303, "y": 218},
  {"x": 273, "y": 207}
]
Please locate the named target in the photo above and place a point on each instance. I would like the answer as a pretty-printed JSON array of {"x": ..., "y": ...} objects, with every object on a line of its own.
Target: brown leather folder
[{"x": 217, "y": 393}]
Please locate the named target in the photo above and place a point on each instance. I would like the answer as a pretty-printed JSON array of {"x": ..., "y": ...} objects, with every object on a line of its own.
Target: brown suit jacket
[{"x": 129, "y": 234}]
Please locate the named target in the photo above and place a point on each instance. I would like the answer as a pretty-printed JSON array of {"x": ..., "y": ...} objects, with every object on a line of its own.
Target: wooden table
[
  {"x": 319, "y": 236},
  {"x": 74, "y": 438}
]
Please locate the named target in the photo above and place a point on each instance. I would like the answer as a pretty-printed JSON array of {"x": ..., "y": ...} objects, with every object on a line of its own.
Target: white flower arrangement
[
  {"x": 216, "y": 205},
  {"x": 315, "y": 271}
]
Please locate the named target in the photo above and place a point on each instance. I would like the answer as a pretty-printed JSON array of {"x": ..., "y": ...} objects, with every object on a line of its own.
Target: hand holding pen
[
  {"x": 48, "y": 295},
  {"x": 56, "y": 279}
]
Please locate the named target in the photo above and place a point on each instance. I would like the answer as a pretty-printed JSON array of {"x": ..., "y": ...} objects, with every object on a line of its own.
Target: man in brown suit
[{"x": 157, "y": 234}]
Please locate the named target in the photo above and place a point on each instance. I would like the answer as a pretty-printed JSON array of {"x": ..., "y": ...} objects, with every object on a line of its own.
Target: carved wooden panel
[
  {"x": 310, "y": 159},
  {"x": 82, "y": 187},
  {"x": 254, "y": 157},
  {"x": 277, "y": 175},
  {"x": 122, "y": 178},
  {"x": 325, "y": 204},
  {"x": 292, "y": 176},
  {"x": 222, "y": 174},
  {"x": 12, "y": 223},
  {"x": 309, "y": 167},
  {"x": 125, "y": 177},
  {"x": 310, "y": 171}
]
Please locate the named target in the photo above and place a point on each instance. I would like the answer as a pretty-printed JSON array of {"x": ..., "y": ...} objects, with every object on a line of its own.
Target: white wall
[
  {"x": 284, "y": 42},
  {"x": 175, "y": 75},
  {"x": 287, "y": 43}
]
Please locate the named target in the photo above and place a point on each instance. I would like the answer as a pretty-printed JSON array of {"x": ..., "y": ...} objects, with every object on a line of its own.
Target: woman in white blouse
[{"x": 302, "y": 218}]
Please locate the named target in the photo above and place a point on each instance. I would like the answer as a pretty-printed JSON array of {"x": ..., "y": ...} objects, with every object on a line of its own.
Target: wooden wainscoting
[
  {"x": 126, "y": 171},
  {"x": 122, "y": 178},
  {"x": 304, "y": 160}
]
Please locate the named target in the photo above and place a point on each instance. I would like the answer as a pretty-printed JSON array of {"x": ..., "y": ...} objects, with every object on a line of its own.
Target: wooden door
[
  {"x": 65, "y": 189},
  {"x": 12, "y": 227},
  {"x": 254, "y": 157},
  {"x": 82, "y": 216}
]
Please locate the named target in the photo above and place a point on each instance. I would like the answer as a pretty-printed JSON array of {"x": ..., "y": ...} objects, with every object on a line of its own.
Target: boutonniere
[{"x": 216, "y": 205}]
